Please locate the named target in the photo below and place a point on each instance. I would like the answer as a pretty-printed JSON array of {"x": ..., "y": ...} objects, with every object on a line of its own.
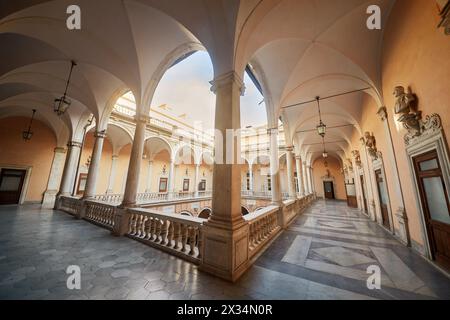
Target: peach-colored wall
[
  {"x": 415, "y": 54},
  {"x": 319, "y": 170},
  {"x": 370, "y": 122},
  {"x": 36, "y": 153}
]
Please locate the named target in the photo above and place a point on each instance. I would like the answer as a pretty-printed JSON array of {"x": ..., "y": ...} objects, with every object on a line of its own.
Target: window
[
  {"x": 163, "y": 185},
  {"x": 81, "y": 183},
  {"x": 202, "y": 185},
  {"x": 185, "y": 185},
  {"x": 269, "y": 183}
]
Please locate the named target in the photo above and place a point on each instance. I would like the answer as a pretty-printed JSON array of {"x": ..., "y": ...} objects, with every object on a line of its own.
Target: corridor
[{"x": 323, "y": 255}]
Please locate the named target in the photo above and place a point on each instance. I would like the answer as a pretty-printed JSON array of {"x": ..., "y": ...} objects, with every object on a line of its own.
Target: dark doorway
[
  {"x": 435, "y": 204},
  {"x": 11, "y": 183},
  {"x": 383, "y": 198},
  {"x": 363, "y": 188},
  {"x": 328, "y": 189}
]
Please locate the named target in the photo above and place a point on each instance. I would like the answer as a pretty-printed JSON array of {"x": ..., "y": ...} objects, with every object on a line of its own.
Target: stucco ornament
[
  {"x": 406, "y": 108},
  {"x": 371, "y": 145},
  {"x": 445, "y": 17},
  {"x": 411, "y": 117},
  {"x": 357, "y": 158}
]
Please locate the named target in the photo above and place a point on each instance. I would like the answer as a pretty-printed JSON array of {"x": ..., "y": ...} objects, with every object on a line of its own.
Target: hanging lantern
[
  {"x": 62, "y": 104},
  {"x": 28, "y": 134},
  {"x": 321, "y": 127}
]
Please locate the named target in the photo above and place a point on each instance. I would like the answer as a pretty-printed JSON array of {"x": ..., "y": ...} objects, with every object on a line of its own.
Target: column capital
[
  {"x": 115, "y": 157},
  {"x": 225, "y": 79},
  {"x": 74, "y": 144},
  {"x": 382, "y": 113},
  {"x": 299, "y": 158},
  {"x": 100, "y": 134},
  {"x": 60, "y": 150},
  {"x": 272, "y": 131},
  {"x": 142, "y": 118},
  {"x": 289, "y": 148}
]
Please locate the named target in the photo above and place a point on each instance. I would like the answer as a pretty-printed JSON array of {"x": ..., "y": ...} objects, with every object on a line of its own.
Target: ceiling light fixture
[
  {"x": 63, "y": 103},
  {"x": 321, "y": 127},
  {"x": 28, "y": 134}
]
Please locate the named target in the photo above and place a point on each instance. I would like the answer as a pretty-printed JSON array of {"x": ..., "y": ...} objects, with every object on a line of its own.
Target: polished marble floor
[{"x": 323, "y": 255}]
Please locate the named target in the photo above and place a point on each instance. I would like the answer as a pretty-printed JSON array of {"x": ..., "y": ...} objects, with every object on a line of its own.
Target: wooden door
[
  {"x": 435, "y": 204},
  {"x": 11, "y": 183},
  {"x": 383, "y": 198},
  {"x": 328, "y": 189},
  {"x": 363, "y": 188}
]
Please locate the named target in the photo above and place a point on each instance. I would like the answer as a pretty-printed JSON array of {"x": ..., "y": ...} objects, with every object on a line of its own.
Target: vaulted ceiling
[{"x": 299, "y": 49}]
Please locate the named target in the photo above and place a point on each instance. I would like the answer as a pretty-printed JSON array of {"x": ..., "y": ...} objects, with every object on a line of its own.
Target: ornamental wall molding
[
  {"x": 357, "y": 157},
  {"x": 418, "y": 129},
  {"x": 445, "y": 18},
  {"x": 370, "y": 143}
]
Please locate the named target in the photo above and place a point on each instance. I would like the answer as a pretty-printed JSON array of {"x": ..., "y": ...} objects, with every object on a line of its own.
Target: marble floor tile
[{"x": 298, "y": 252}]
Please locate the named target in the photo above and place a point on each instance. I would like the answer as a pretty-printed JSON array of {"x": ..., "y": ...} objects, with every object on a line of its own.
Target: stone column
[
  {"x": 250, "y": 171},
  {"x": 400, "y": 212},
  {"x": 225, "y": 234},
  {"x": 308, "y": 179},
  {"x": 311, "y": 175},
  {"x": 55, "y": 178},
  {"x": 134, "y": 167},
  {"x": 290, "y": 173},
  {"x": 197, "y": 177},
  {"x": 148, "y": 188},
  {"x": 275, "y": 167},
  {"x": 305, "y": 178},
  {"x": 70, "y": 168},
  {"x": 170, "y": 184},
  {"x": 112, "y": 174},
  {"x": 91, "y": 182},
  {"x": 298, "y": 165}
]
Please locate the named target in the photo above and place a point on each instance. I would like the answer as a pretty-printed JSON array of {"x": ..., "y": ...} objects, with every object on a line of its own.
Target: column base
[
  {"x": 225, "y": 250},
  {"x": 121, "y": 222},
  {"x": 403, "y": 230},
  {"x": 49, "y": 200}
]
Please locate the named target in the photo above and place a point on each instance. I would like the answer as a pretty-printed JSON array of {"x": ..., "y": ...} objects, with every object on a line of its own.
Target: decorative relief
[
  {"x": 411, "y": 117},
  {"x": 371, "y": 144},
  {"x": 357, "y": 158},
  {"x": 430, "y": 126},
  {"x": 445, "y": 16}
]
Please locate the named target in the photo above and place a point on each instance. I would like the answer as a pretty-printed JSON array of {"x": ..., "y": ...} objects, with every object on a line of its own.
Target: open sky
[{"x": 185, "y": 88}]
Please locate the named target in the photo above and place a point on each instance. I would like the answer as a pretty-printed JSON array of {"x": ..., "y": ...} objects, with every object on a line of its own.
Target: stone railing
[
  {"x": 109, "y": 198},
  {"x": 263, "y": 226},
  {"x": 151, "y": 197},
  {"x": 182, "y": 235},
  {"x": 71, "y": 205},
  {"x": 204, "y": 194},
  {"x": 99, "y": 213},
  {"x": 257, "y": 194},
  {"x": 176, "y": 234}
]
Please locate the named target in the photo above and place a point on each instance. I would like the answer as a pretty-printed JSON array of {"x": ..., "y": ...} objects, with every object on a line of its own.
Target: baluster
[
  {"x": 177, "y": 236},
  {"x": 148, "y": 230},
  {"x": 183, "y": 237},
  {"x": 157, "y": 230},
  {"x": 139, "y": 225},
  {"x": 164, "y": 232},
  {"x": 192, "y": 240},
  {"x": 170, "y": 234},
  {"x": 153, "y": 229},
  {"x": 259, "y": 230}
]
